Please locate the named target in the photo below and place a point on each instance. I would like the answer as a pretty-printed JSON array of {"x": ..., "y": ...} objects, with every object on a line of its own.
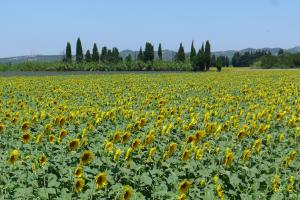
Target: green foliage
[
  {"x": 219, "y": 63},
  {"x": 180, "y": 56},
  {"x": 281, "y": 61},
  {"x": 248, "y": 58},
  {"x": 159, "y": 52},
  {"x": 95, "y": 55},
  {"x": 103, "y": 56},
  {"x": 193, "y": 53},
  {"x": 69, "y": 53},
  {"x": 140, "y": 56},
  {"x": 79, "y": 51},
  {"x": 207, "y": 55},
  {"x": 88, "y": 57},
  {"x": 148, "y": 54}
]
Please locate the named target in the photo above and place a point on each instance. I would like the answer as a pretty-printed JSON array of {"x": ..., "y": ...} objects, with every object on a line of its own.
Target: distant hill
[{"x": 167, "y": 55}]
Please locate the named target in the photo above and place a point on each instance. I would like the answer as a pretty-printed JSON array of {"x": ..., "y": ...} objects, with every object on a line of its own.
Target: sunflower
[
  {"x": 42, "y": 159},
  {"x": 128, "y": 153},
  {"x": 79, "y": 172},
  {"x": 126, "y": 137},
  {"x": 136, "y": 143},
  {"x": 257, "y": 145},
  {"x": 48, "y": 128},
  {"x": 186, "y": 155},
  {"x": 150, "y": 137},
  {"x": 291, "y": 184},
  {"x": 246, "y": 155},
  {"x": 229, "y": 157},
  {"x": 117, "y": 154},
  {"x": 128, "y": 192},
  {"x": 87, "y": 157},
  {"x": 62, "y": 134},
  {"x": 79, "y": 184},
  {"x": 182, "y": 197},
  {"x": 117, "y": 136},
  {"x": 199, "y": 154},
  {"x": 13, "y": 156},
  {"x": 109, "y": 146},
  {"x": 220, "y": 191},
  {"x": 39, "y": 138},
  {"x": 52, "y": 138},
  {"x": 2, "y": 127},
  {"x": 151, "y": 153},
  {"x": 276, "y": 183},
  {"x": 101, "y": 180},
  {"x": 26, "y": 137},
  {"x": 74, "y": 144},
  {"x": 25, "y": 126},
  {"x": 184, "y": 186}
]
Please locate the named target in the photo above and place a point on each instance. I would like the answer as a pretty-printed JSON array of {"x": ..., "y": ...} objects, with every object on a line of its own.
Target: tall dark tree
[
  {"x": 193, "y": 53},
  {"x": 159, "y": 52},
  {"x": 79, "y": 52},
  {"x": 103, "y": 56},
  {"x": 149, "y": 52},
  {"x": 213, "y": 61},
  {"x": 180, "y": 56},
  {"x": 227, "y": 62},
  {"x": 115, "y": 55},
  {"x": 219, "y": 64},
  {"x": 140, "y": 56},
  {"x": 207, "y": 55},
  {"x": 68, "y": 53},
  {"x": 95, "y": 54},
  {"x": 280, "y": 52},
  {"x": 88, "y": 57}
]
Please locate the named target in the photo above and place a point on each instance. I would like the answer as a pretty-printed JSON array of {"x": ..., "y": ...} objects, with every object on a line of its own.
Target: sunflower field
[{"x": 229, "y": 135}]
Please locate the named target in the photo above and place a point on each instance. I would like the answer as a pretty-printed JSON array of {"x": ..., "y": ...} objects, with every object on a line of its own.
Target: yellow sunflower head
[
  {"x": 101, "y": 180},
  {"x": 25, "y": 126},
  {"x": 13, "y": 156},
  {"x": 87, "y": 157},
  {"x": 79, "y": 184},
  {"x": 26, "y": 137},
  {"x": 79, "y": 172},
  {"x": 2, "y": 128},
  {"x": 127, "y": 193},
  {"x": 52, "y": 139},
  {"x": 42, "y": 160},
  {"x": 62, "y": 134},
  {"x": 184, "y": 186},
  {"x": 74, "y": 144}
]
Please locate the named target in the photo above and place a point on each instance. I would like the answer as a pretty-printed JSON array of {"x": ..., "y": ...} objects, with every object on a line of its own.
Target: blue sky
[{"x": 44, "y": 26}]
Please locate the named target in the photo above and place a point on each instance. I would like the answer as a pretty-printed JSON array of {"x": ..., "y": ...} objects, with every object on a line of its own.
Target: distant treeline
[
  {"x": 110, "y": 59},
  {"x": 264, "y": 59}
]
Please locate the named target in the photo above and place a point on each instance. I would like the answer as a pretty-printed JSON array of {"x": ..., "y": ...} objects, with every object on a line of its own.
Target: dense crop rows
[{"x": 230, "y": 135}]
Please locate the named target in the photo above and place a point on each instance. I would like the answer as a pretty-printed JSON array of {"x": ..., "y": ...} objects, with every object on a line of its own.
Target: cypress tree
[
  {"x": 193, "y": 53},
  {"x": 140, "y": 56},
  {"x": 79, "y": 52},
  {"x": 88, "y": 57},
  {"x": 149, "y": 52},
  {"x": 69, "y": 53},
  {"x": 95, "y": 55},
  {"x": 103, "y": 56},
  {"x": 219, "y": 64},
  {"x": 207, "y": 55},
  {"x": 180, "y": 56},
  {"x": 213, "y": 61},
  {"x": 159, "y": 52},
  {"x": 115, "y": 55},
  {"x": 202, "y": 59}
]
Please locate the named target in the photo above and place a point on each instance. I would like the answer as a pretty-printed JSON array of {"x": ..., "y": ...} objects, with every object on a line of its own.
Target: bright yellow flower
[
  {"x": 101, "y": 180},
  {"x": 79, "y": 184},
  {"x": 184, "y": 186},
  {"x": 87, "y": 157}
]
